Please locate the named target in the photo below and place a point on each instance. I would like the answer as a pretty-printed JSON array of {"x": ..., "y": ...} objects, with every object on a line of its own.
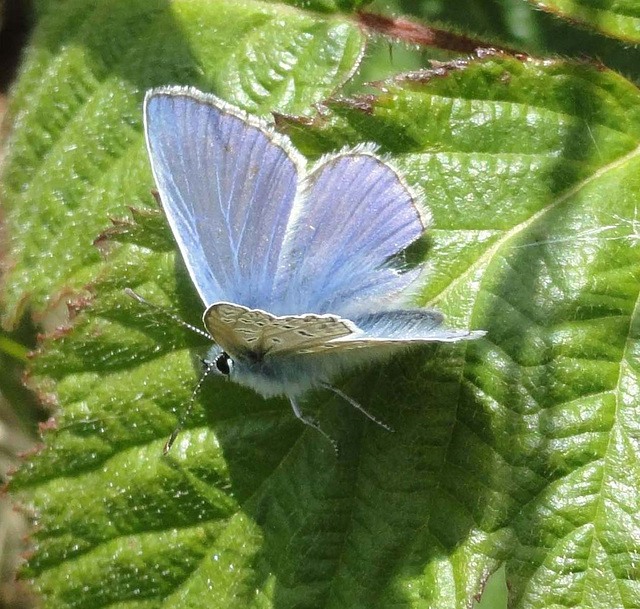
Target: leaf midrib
[
  {"x": 599, "y": 508},
  {"x": 488, "y": 256}
]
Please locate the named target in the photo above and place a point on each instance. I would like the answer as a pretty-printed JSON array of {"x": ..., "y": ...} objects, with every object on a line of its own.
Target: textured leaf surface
[
  {"x": 521, "y": 448},
  {"x": 531, "y": 171},
  {"x": 328, "y": 6},
  {"x": 617, "y": 18},
  {"x": 519, "y": 25},
  {"x": 77, "y": 155}
]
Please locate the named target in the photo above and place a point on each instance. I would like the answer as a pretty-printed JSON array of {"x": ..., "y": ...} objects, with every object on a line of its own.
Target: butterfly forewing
[
  {"x": 240, "y": 330},
  {"x": 227, "y": 185}
]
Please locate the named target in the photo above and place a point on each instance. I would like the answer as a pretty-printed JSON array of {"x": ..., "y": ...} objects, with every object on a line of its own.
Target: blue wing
[
  {"x": 227, "y": 185},
  {"x": 355, "y": 214},
  {"x": 406, "y": 327}
]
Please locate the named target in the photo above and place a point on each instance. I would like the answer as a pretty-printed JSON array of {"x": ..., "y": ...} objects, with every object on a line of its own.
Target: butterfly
[{"x": 294, "y": 264}]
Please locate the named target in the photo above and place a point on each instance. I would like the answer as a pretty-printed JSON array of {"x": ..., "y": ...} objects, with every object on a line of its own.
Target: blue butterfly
[{"x": 293, "y": 263}]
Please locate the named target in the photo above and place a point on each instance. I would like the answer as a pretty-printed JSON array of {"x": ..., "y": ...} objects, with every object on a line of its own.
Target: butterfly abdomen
[{"x": 282, "y": 376}]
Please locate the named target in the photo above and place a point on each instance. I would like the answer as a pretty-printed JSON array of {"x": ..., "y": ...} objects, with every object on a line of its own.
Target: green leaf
[
  {"x": 77, "y": 154},
  {"x": 518, "y": 449},
  {"x": 620, "y": 19},
  {"x": 494, "y": 593},
  {"x": 531, "y": 170},
  {"x": 329, "y": 6},
  {"x": 518, "y": 25}
]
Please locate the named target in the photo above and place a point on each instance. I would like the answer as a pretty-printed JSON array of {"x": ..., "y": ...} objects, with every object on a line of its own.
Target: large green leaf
[
  {"x": 77, "y": 155},
  {"x": 520, "y": 448},
  {"x": 532, "y": 173}
]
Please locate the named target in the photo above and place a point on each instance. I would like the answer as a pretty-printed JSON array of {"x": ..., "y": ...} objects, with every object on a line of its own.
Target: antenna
[
  {"x": 129, "y": 292},
  {"x": 187, "y": 412},
  {"x": 210, "y": 365}
]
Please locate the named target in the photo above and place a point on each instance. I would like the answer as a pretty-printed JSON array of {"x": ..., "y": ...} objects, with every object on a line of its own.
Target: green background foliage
[{"x": 517, "y": 451}]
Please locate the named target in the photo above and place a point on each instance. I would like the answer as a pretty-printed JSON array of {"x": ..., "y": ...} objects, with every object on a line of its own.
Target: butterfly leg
[
  {"x": 356, "y": 405},
  {"x": 312, "y": 423}
]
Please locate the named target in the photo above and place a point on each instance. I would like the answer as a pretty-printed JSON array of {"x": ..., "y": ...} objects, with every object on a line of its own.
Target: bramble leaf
[
  {"x": 518, "y": 449},
  {"x": 617, "y": 19}
]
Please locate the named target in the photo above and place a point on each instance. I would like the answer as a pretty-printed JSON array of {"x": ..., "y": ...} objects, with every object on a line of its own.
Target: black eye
[{"x": 223, "y": 363}]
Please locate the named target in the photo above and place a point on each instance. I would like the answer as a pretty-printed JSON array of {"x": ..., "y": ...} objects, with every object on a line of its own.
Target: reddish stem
[{"x": 417, "y": 33}]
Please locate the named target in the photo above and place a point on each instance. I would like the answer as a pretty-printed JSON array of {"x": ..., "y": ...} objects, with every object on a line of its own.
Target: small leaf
[{"x": 616, "y": 19}]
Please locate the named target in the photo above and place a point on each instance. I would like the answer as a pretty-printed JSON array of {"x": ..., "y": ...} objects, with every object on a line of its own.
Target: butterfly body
[
  {"x": 294, "y": 264},
  {"x": 292, "y": 354},
  {"x": 274, "y": 355},
  {"x": 252, "y": 370}
]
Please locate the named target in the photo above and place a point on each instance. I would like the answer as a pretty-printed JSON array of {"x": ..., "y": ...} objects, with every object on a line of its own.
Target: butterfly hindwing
[
  {"x": 240, "y": 330},
  {"x": 388, "y": 331},
  {"x": 227, "y": 185}
]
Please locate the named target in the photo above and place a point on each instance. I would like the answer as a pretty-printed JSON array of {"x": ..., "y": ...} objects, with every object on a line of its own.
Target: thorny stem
[{"x": 412, "y": 32}]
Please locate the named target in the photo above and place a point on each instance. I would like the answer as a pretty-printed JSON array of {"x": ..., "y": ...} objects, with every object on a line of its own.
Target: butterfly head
[
  {"x": 218, "y": 362},
  {"x": 267, "y": 375}
]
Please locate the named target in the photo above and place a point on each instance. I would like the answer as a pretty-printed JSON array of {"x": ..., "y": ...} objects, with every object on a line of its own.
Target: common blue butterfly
[{"x": 293, "y": 263}]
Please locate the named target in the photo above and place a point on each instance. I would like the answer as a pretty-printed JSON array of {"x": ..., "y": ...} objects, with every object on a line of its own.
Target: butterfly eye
[{"x": 224, "y": 364}]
